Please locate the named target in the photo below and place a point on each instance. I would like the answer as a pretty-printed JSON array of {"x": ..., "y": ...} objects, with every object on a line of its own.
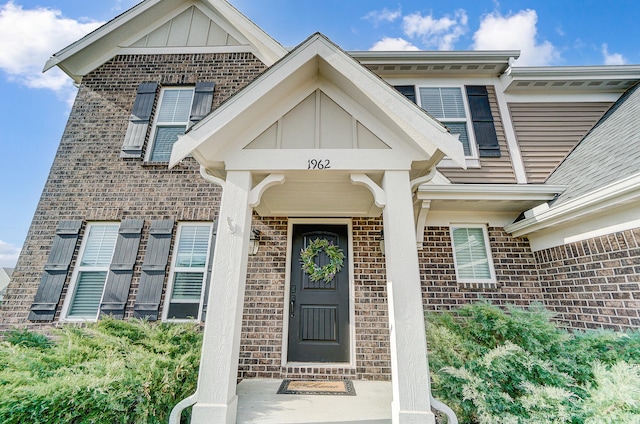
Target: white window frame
[
  {"x": 159, "y": 124},
  {"x": 79, "y": 268},
  {"x": 175, "y": 269},
  {"x": 489, "y": 256},
  {"x": 472, "y": 159}
]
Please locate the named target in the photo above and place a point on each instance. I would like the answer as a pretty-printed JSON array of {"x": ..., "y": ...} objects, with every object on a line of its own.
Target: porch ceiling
[{"x": 320, "y": 193}]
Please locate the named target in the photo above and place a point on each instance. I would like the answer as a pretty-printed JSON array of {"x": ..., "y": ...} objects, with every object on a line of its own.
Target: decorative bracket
[
  {"x": 256, "y": 193},
  {"x": 379, "y": 196},
  {"x": 421, "y": 223}
]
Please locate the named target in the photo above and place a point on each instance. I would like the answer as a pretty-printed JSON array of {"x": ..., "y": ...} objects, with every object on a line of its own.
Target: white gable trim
[
  {"x": 317, "y": 63},
  {"x": 107, "y": 41}
]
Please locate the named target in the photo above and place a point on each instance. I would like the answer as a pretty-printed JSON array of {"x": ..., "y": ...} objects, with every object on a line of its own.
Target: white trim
[
  {"x": 488, "y": 253},
  {"x": 540, "y": 192},
  {"x": 128, "y": 51},
  {"x": 71, "y": 291},
  {"x": 510, "y": 135},
  {"x": 154, "y": 127},
  {"x": 173, "y": 270},
  {"x": 602, "y": 199},
  {"x": 472, "y": 159},
  {"x": 287, "y": 286}
]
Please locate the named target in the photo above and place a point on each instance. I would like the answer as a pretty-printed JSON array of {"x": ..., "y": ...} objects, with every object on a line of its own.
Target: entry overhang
[{"x": 406, "y": 136}]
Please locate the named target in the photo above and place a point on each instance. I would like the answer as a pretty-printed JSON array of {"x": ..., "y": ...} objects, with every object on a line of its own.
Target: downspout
[
  {"x": 176, "y": 412},
  {"x": 435, "y": 403}
]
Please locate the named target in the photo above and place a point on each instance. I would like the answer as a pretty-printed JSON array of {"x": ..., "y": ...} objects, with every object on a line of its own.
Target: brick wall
[
  {"x": 594, "y": 283},
  {"x": 262, "y": 325},
  {"x": 514, "y": 263},
  {"x": 89, "y": 181}
]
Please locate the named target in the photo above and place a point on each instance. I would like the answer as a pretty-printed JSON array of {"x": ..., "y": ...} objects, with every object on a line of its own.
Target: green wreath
[{"x": 327, "y": 272}]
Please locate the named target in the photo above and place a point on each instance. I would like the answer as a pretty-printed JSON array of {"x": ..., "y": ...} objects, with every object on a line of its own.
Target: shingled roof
[{"x": 609, "y": 153}]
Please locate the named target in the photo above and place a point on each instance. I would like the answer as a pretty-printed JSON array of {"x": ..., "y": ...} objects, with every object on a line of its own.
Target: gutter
[{"x": 602, "y": 199}]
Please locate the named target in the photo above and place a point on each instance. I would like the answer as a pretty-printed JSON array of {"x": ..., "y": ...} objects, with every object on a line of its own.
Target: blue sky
[{"x": 34, "y": 107}]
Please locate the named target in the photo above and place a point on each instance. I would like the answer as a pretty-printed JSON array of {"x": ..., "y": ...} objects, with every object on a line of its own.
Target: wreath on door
[{"x": 316, "y": 272}]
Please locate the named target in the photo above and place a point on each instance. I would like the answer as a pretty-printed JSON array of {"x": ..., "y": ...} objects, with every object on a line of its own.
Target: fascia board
[
  {"x": 488, "y": 192},
  {"x": 436, "y": 57},
  {"x": 417, "y": 124},
  {"x": 605, "y": 198},
  {"x": 268, "y": 49},
  {"x": 99, "y": 33},
  {"x": 107, "y": 41}
]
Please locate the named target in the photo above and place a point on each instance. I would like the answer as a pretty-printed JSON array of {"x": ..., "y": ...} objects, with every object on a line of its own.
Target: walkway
[{"x": 259, "y": 403}]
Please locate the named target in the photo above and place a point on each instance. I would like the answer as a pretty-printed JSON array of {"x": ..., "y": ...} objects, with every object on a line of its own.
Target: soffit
[
  {"x": 126, "y": 34},
  {"x": 436, "y": 63},
  {"x": 569, "y": 79},
  {"x": 486, "y": 197}
]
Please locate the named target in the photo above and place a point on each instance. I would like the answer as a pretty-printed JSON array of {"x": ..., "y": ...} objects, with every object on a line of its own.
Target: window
[
  {"x": 188, "y": 272},
  {"x": 448, "y": 106},
  {"x": 471, "y": 254},
  {"x": 170, "y": 122},
  {"x": 90, "y": 275}
]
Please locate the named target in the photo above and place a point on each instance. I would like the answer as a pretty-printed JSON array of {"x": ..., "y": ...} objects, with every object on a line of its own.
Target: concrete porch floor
[{"x": 258, "y": 402}]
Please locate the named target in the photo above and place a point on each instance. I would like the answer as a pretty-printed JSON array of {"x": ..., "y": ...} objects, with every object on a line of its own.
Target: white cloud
[
  {"x": 440, "y": 33},
  {"x": 612, "y": 58},
  {"x": 28, "y": 37},
  {"x": 393, "y": 44},
  {"x": 515, "y": 32},
  {"x": 8, "y": 254},
  {"x": 384, "y": 15}
]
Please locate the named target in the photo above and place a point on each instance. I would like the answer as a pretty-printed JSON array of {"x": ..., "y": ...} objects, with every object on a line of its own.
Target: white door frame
[{"x": 352, "y": 313}]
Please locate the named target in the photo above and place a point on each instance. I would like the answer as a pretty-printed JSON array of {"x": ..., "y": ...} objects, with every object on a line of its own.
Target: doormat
[{"x": 310, "y": 387}]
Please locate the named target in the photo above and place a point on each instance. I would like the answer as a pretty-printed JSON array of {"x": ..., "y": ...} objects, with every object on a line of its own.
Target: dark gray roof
[{"x": 610, "y": 152}]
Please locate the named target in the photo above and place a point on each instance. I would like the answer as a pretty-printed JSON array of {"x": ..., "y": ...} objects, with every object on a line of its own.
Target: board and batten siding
[
  {"x": 547, "y": 132},
  {"x": 492, "y": 170}
]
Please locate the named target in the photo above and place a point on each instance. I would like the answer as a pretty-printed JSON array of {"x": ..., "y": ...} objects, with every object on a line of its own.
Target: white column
[
  {"x": 409, "y": 367},
  {"x": 216, "y": 396}
]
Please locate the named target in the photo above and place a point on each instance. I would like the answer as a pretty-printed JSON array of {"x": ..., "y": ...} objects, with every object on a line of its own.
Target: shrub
[
  {"x": 515, "y": 366},
  {"x": 108, "y": 372}
]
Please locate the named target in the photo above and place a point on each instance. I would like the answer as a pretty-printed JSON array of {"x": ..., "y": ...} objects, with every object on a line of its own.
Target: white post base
[
  {"x": 209, "y": 413},
  {"x": 411, "y": 417}
]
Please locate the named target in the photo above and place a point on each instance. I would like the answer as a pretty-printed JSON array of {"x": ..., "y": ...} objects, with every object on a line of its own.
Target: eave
[
  {"x": 610, "y": 79},
  {"x": 111, "y": 39},
  {"x": 487, "y": 197},
  {"x": 600, "y": 201},
  {"x": 394, "y": 63}
]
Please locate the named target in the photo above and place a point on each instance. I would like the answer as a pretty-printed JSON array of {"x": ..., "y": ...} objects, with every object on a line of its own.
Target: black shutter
[
  {"x": 202, "y": 101},
  {"x": 47, "y": 297},
  {"x": 116, "y": 289},
  {"x": 154, "y": 268},
  {"x": 483, "y": 126},
  {"x": 207, "y": 281},
  {"x": 409, "y": 91},
  {"x": 139, "y": 120}
]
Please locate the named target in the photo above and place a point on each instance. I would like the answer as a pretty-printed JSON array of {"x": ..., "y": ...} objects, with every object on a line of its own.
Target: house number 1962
[{"x": 318, "y": 164}]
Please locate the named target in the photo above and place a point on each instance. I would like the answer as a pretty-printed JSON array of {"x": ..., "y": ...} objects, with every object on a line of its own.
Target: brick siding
[
  {"x": 89, "y": 181},
  {"x": 514, "y": 263},
  {"x": 262, "y": 324},
  {"x": 594, "y": 283}
]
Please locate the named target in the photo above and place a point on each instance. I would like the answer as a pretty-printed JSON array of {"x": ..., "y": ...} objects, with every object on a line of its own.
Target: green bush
[
  {"x": 108, "y": 372},
  {"x": 515, "y": 366}
]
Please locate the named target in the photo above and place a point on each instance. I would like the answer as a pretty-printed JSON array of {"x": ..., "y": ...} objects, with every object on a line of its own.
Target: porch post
[
  {"x": 216, "y": 396},
  {"x": 409, "y": 367}
]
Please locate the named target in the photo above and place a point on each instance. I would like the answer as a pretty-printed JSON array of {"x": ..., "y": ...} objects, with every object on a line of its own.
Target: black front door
[{"x": 318, "y": 311}]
